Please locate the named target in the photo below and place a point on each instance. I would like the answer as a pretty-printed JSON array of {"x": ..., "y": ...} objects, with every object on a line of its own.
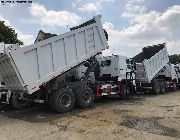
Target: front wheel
[
  {"x": 62, "y": 101},
  {"x": 17, "y": 101}
]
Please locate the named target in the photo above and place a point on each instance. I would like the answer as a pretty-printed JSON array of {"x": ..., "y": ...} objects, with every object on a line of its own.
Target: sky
[{"x": 131, "y": 24}]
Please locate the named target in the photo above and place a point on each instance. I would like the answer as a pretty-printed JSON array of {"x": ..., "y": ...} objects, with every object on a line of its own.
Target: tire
[
  {"x": 156, "y": 88},
  {"x": 123, "y": 93},
  {"x": 62, "y": 100},
  {"x": 84, "y": 97},
  {"x": 17, "y": 103}
]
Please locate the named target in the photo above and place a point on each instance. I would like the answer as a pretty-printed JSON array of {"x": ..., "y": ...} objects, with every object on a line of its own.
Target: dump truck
[
  {"x": 149, "y": 63},
  {"x": 42, "y": 72},
  {"x": 170, "y": 73}
]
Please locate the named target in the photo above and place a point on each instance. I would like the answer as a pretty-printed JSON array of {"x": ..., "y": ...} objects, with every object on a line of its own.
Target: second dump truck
[{"x": 153, "y": 71}]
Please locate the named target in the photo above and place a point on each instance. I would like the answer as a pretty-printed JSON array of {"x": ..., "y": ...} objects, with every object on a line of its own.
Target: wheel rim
[
  {"x": 65, "y": 100},
  {"x": 86, "y": 96}
]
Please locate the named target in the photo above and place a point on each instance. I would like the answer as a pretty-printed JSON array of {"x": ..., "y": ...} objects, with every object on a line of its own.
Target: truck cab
[{"x": 115, "y": 66}]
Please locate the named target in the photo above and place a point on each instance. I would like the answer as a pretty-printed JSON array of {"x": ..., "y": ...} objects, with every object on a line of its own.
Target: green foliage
[
  {"x": 174, "y": 59},
  {"x": 8, "y": 35}
]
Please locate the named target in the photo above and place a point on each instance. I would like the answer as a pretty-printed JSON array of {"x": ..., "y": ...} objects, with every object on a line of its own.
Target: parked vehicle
[
  {"x": 41, "y": 72},
  {"x": 170, "y": 75},
  {"x": 148, "y": 64}
]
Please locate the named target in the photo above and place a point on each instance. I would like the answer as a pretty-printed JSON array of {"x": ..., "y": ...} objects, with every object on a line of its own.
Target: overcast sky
[{"x": 131, "y": 24}]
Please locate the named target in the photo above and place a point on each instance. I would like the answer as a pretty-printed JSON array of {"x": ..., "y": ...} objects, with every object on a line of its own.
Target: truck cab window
[{"x": 105, "y": 63}]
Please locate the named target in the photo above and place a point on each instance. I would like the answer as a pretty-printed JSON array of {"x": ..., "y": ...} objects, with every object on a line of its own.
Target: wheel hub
[
  {"x": 65, "y": 100},
  {"x": 86, "y": 96}
]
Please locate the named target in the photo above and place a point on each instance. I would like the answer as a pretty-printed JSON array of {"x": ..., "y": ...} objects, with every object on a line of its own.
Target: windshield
[{"x": 105, "y": 63}]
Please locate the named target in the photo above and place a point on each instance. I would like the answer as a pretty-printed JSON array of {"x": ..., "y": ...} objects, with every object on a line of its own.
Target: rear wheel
[
  {"x": 84, "y": 97},
  {"x": 17, "y": 101},
  {"x": 62, "y": 101}
]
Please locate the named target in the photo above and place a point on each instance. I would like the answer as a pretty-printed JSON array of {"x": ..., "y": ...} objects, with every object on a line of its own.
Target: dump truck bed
[
  {"x": 150, "y": 61},
  {"x": 27, "y": 68}
]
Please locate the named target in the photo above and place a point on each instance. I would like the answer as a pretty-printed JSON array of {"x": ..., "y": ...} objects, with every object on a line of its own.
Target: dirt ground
[{"x": 145, "y": 117}]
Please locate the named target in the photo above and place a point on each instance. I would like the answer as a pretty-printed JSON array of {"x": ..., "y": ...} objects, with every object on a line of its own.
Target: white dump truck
[
  {"x": 149, "y": 63},
  {"x": 41, "y": 72},
  {"x": 170, "y": 73}
]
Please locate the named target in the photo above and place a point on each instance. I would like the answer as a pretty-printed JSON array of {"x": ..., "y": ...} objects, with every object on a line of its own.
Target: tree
[
  {"x": 174, "y": 59},
  {"x": 8, "y": 34}
]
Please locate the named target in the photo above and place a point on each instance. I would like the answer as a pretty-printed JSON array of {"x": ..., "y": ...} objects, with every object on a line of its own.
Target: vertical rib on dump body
[
  {"x": 27, "y": 68},
  {"x": 150, "y": 61}
]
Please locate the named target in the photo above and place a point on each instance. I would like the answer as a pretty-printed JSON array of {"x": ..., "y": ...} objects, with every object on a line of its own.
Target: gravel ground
[{"x": 144, "y": 117}]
